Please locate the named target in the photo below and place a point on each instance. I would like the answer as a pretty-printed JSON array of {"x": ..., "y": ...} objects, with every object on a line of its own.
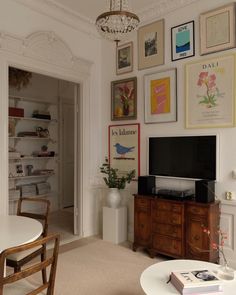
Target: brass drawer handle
[{"x": 197, "y": 238}]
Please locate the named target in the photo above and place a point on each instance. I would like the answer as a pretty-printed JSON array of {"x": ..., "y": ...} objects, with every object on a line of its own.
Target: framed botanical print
[
  {"x": 182, "y": 41},
  {"x": 124, "y": 58},
  {"x": 124, "y": 147},
  {"x": 151, "y": 45},
  {"x": 124, "y": 99},
  {"x": 160, "y": 97},
  {"x": 210, "y": 92},
  {"x": 217, "y": 29}
]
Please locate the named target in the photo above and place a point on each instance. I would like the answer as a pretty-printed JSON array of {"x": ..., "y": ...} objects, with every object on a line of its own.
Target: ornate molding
[
  {"x": 161, "y": 8},
  {"x": 45, "y": 47},
  {"x": 62, "y": 14}
]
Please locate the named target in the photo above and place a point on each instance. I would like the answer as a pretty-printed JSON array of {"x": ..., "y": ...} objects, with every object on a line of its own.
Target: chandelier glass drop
[{"x": 117, "y": 23}]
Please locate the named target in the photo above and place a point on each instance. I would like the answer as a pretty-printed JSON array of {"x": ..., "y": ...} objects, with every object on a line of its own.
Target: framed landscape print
[
  {"x": 124, "y": 147},
  {"x": 151, "y": 45},
  {"x": 182, "y": 41},
  {"x": 160, "y": 97},
  {"x": 217, "y": 29},
  {"x": 124, "y": 58},
  {"x": 210, "y": 92},
  {"x": 124, "y": 99}
]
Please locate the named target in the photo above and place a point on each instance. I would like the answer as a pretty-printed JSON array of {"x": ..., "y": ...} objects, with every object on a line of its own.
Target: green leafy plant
[{"x": 113, "y": 180}]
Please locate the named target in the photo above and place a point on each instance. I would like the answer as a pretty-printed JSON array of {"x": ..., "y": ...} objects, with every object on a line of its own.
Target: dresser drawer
[
  {"x": 143, "y": 204},
  {"x": 197, "y": 210},
  {"x": 167, "y": 217},
  {"x": 167, "y": 245},
  {"x": 168, "y": 206},
  {"x": 168, "y": 230}
]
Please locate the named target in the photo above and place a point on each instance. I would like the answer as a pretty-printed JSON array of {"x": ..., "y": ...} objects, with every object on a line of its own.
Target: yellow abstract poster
[{"x": 160, "y": 96}]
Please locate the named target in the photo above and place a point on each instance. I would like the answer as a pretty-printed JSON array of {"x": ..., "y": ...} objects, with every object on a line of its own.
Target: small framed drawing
[
  {"x": 182, "y": 41},
  {"x": 151, "y": 45},
  {"x": 217, "y": 29},
  {"x": 16, "y": 170},
  {"x": 210, "y": 92},
  {"x": 124, "y": 147},
  {"x": 160, "y": 97},
  {"x": 124, "y": 99},
  {"x": 124, "y": 58}
]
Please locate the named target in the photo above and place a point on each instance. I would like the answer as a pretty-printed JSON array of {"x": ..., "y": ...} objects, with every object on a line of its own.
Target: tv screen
[{"x": 183, "y": 156}]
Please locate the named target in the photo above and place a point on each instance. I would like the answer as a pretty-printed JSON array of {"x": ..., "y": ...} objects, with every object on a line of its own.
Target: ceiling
[{"x": 92, "y": 8}]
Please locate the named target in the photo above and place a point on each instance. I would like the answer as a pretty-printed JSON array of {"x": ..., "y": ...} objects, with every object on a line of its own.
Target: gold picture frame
[
  {"x": 151, "y": 45},
  {"x": 217, "y": 29},
  {"x": 124, "y": 58},
  {"x": 210, "y": 92}
]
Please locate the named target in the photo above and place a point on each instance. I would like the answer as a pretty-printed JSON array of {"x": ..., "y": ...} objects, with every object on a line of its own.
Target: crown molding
[
  {"x": 161, "y": 8},
  {"x": 62, "y": 14}
]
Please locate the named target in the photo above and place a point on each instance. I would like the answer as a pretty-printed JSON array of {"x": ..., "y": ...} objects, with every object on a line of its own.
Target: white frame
[{"x": 163, "y": 117}]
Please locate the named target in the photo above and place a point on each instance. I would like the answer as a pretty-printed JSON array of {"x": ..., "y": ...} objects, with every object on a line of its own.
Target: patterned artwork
[{"x": 160, "y": 96}]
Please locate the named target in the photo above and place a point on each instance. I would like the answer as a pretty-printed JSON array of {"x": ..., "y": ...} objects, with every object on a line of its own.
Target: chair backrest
[
  {"x": 34, "y": 267},
  {"x": 42, "y": 216}
]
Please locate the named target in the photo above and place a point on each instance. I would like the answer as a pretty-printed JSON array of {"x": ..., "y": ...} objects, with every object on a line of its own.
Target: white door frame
[{"x": 46, "y": 54}]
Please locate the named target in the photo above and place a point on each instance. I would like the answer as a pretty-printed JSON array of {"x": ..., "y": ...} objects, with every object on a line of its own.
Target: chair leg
[{"x": 44, "y": 271}]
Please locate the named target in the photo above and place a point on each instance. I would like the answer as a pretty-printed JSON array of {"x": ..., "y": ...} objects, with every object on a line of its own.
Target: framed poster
[
  {"x": 124, "y": 147},
  {"x": 160, "y": 97},
  {"x": 151, "y": 45},
  {"x": 182, "y": 41},
  {"x": 124, "y": 58},
  {"x": 210, "y": 92},
  {"x": 217, "y": 29},
  {"x": 124, "y": 99}
]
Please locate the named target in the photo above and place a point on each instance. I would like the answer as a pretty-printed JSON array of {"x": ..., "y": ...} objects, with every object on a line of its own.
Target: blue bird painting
[{"x": 122, "y": 150}]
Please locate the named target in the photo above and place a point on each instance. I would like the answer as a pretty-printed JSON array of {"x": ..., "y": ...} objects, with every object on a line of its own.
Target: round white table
[
  {"x": 153, "y": 279},
  {"x": 18, "y": 230}
]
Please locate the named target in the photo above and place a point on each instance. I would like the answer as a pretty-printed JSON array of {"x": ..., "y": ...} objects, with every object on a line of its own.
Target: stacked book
[{"x": 196, "y": 282}]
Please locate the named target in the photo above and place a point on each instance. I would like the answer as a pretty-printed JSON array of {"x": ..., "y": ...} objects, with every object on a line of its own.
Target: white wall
[
  {"x": 20, "y": 21},
  {"x": 227, "y": 159}
]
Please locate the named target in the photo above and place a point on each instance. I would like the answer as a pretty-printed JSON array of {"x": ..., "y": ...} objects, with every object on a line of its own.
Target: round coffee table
[{"x": 154, "y": 279}]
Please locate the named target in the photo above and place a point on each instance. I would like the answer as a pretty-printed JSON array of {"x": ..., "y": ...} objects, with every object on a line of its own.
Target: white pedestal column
[{"x": 115, "y": 224}]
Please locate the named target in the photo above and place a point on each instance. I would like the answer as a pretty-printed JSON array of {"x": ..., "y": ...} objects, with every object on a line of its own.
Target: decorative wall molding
[
  {"x": 84, "y": 24},
  {"x": 62, "y": 14},
  {"x": 161, "y": 8},
  {"x": 46, "y": 47}
]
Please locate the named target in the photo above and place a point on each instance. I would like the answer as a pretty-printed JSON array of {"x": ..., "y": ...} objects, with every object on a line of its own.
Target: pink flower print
[{"x": 202, "y": 78}]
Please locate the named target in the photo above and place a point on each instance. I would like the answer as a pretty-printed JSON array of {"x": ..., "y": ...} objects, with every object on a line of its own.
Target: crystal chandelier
[{"x": 117, "y": 23}]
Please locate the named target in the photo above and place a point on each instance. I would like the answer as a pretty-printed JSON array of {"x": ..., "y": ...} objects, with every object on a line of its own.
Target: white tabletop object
[
  {"x": 153, "y": 279},
  {"x": 18, "y": 230}
]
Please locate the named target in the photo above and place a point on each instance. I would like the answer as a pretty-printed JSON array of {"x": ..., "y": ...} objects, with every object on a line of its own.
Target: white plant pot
[{"x": 113, "y": 198}]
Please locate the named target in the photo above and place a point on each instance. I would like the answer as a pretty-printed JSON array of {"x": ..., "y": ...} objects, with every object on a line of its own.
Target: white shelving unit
[{"x": 26, "y": 146}]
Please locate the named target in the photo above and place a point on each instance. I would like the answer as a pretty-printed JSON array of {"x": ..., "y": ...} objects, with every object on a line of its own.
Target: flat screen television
[{"x": 192, "y": 157}]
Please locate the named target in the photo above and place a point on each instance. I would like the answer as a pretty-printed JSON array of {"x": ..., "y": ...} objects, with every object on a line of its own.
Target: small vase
[
  {"x": 113, "y": 198},
  {"x": 125, "y": 110},
  {"x": 225, "y": 272}
]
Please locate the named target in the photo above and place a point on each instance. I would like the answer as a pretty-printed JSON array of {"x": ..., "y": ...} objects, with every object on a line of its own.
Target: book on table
[{"x": 201, "y": 281}]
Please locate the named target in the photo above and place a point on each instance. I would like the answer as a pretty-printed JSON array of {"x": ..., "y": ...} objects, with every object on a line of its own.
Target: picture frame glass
[
  {"x": 124, "y": 148},
  {"x": 210, "y": 93},
  {"x": 124, "y": 58},
  {"x": 124, "y": 99},
  {"x": 160, "y": 97},
  {"x": 182, "y": 41}
]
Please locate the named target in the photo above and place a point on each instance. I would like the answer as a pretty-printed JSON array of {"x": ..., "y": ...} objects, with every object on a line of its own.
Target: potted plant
[{"x": 115, "y": 182}]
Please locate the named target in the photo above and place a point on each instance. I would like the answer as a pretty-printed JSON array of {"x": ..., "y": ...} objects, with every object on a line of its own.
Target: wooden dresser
[{"x": 175, "y": 228}]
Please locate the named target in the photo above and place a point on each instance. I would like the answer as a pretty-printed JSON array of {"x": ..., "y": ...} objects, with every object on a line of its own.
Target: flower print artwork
[
  {"x": 208, "y": 81},
  {"x": 210, "y": 92},
  {"x": 124, "y": 93}
]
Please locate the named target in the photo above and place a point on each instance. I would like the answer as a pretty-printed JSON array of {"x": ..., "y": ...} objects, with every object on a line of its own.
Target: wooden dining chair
[
  {"x": 17, "y": 260},
  {"x": 20, "y": 282}
]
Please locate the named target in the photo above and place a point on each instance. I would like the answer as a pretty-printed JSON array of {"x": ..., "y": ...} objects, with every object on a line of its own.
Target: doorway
[{"x": 58, "y": 99}]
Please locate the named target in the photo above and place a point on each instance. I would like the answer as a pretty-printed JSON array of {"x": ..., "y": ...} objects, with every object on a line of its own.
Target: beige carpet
[
  {"x": 94, "y": 267},
  {"x": 99, "y": 267}
]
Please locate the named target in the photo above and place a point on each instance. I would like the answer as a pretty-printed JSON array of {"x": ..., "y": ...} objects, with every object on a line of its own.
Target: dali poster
[{"x": 210, "y": 93}]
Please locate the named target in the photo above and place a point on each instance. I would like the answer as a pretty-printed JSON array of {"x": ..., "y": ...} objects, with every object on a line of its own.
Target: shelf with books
[
  {"x": 32, "y": 119},
  {"x": 31, "y": 99},
  {"x": 31, "y": 176}
]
